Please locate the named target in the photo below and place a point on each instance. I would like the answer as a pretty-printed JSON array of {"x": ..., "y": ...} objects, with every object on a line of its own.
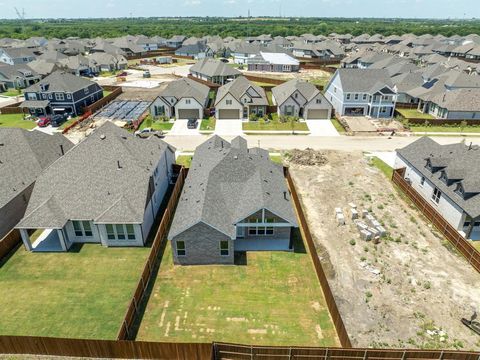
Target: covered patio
[
  {"x": 37, "y": 107},
  {"x": 44, "y": 240}
]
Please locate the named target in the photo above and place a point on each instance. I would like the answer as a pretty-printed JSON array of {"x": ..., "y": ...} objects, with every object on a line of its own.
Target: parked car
[
  {"x": 224, "y": 60},
  {"x": 192, "y": 123},
  {"x": 124, "y": 73},
  {"x": 146, "y": 74},
  {"x": 58, "y": 120},
  {"x": 44, "y": 121},
  {"x": 147, "y": 132}
]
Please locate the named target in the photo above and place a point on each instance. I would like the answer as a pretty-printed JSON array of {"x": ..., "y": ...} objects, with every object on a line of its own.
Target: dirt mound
[{"x": 307, "y": 157}]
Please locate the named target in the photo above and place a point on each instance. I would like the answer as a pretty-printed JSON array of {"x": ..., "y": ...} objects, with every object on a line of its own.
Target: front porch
[
  {"x": 263, "y": 244},
  {"x": 44, "y": 240}
]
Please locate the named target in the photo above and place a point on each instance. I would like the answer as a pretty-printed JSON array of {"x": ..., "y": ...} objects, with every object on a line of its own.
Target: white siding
[
  {"x": 234, "y": 106},
  {"x": 182, "y": 104}
]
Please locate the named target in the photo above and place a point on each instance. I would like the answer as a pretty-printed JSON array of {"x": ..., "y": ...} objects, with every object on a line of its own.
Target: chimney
[{"x": 61, "y": 149}]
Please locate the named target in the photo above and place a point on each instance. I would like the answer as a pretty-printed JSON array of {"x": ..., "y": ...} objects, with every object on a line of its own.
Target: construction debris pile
[
  {"x": 307, "y": 157},
  {"x": 368, "y": 227}
]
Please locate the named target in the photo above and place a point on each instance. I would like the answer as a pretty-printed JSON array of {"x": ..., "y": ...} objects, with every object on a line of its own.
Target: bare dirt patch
[{"x": 423, "y": 287}]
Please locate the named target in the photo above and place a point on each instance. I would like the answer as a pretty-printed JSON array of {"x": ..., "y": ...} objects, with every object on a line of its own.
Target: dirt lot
[
  {"x": 423, "y": 287},
  {"x": 317, "y": 77}
]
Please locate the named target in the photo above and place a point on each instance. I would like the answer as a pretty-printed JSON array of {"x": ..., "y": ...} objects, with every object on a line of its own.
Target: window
[
  {"x": 44, "y": 96},
  {"x": 364, "y": 96},
  {"x": 59, "y": 96},
  {"x": 77, "y": 228},
  {"x": 356, "y": 96},
  {"x": 50, "y": 96},
  {"x": 228, "y": 102},
  {"x": 187, "y": 101},
  {"x": 422, "y": 181},
  {"x": 110, "y": 232},
  {"x": 348, "y": 96},
  {"x": 224, "y": 251},
  {"x": 130, "y": 232},
  {"x": 120, "y": 232},
  {"x": 436, "y": 195},
  {"x": 269, "y": 229},
  {"x": 82, "y": 228},
  {"x": 296, "y": 95},
  {"x": 86, "y": 90},
  {"x": 319, "y": 101},
  {"x": 261, "y": 230},
  {"x": 69, "y": 96},
  {"x": 334, "y": 89},
  {"x": 87, "y": 228},
  {"x": 181, "y": 248}
]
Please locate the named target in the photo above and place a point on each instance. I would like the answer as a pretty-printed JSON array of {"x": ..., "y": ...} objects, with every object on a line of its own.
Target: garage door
[
  {"x": 317, "y": 114},
  {"x": 229, "y": 114},
  {"x": 189, "y": 114}
]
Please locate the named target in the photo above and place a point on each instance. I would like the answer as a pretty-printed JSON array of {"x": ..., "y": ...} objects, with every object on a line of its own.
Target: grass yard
[
  {"x": 276, "y": 159},
  {"x": 273, "y": 125},
  {"x": 156, "y": 124},
  {"x": 445, "y": 129},
  {"x": 414, "y": 114},
  {"x": 208, "y": 124},
  {"x": 275, "y": 299},
  {"x": 68, "y": 123},
  {"x": 16, "y": 121},
  {"x": 382, "y": 166},
  {"x": 339, "y": 127},
  {"x": 11, "y": 93},
  {"x": 80, "y": 294},
  {"x": 476, "y": 244},
  {"x": 106, "y": 93},
  {"x": 184, "y": 160}
]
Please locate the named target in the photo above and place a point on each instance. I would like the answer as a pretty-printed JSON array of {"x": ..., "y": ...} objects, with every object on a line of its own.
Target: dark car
[
  {"x": 58, "y": 120},
  {"x": 44, "y": 121},
  {"x": 192, "y": 123},
  {"x": 224, "y": 60}
]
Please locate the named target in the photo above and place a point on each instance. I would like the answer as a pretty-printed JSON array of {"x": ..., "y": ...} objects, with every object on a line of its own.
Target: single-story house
[
  {"x": 23, "y": 156},
  {"x": 447, "y": 177},
  {"x": 111, "y": 198},
  {"x": 214, "y": 71},
  {"x": 240, "y": 98},
  {"x": 460, "y": 104},
  {"x": 273, "y": 62},
  {"x": 362, "y": 92},
  {"x": 300, "y": 98},
  {"x": 196, "y": 51},
  {"x": 182, "y": 99},
  {"x": 234, "y": 199}
]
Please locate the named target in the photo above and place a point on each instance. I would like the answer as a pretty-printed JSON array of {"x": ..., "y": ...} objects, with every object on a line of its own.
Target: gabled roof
[
  {"x": 23, "y": 156},
  {"x": 273, "y": 58},
  {"x": 185, "y": 87},
  {"x": 364, "y": 80},
  {"x": 104, "y": 178},
  {"x": 211, "y": 67},
  {"x": 228, "y": 182},
  {"x": 238, "y": 87},
  {"x": 283, "y": 91},
  {"x": 61, "y": 82},
  {"x": 459, "y": 161}
]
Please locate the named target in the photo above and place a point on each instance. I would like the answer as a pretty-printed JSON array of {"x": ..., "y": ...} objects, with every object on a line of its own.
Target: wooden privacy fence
[
  {"x": 9, "y": 242},
  {"x": 161, "y": 236},
  {"x": 322, "y": 278},
  {"x": 223, "y": 351},
  {"x": 76, "y": 122},
  {"x": 103, "y": 101},
  {"x": 458, "y": 241},
  {"x": 104, "y": 348},
  {"x": 266, "y": 80}
]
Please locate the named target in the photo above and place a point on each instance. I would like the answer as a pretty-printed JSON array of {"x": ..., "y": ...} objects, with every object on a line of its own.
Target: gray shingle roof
[
  {"x": 283, "y": 91},
  {"x": 23, "y": 155},
  {"x": 460, "y": 162},
  {"x": 187, "y": 88},
  {"x": 227, "y": 183},
  {"x": 88, "y": 184},
  {"x": 211, "y": 67},
  {"x": 238, "y": 87},
  {"x": 62, "y": 82},
  {"x": 364, "y": 80}
]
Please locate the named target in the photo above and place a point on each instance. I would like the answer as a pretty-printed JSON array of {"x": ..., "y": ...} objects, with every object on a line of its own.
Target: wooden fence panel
[
  {"x": 327, "y": 291},
  {"x": 9, "y": 242},
  {"x": 463, "y": 246}
]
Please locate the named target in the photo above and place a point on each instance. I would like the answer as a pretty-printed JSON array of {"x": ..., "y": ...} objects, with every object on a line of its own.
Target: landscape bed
[
  {"x": 66, "y": 294},
  {"x": 269, "y": 298},
  {"x": 408, "y": 291}
]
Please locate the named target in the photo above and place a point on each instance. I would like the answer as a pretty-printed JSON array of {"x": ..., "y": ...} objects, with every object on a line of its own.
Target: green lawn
[
  {"x": 106, "y": 93},
  {"x": 83, "y": 293},
  {"x": 273, "y": 125},
  {"x": 320, "y": 80},
  {"x": 156, "y": 125},
  {"x": 446, "y": 129},
  {"x": 414, "y": 114},
  {"x": 382, "y": 166},
  {"x": 184, "y": 160},
  {"x": 476, "y": 244},
  {"x": 11, "y": 92},
  {"x": 339, "y": 127},
  {"x": 276, "y": 158},
  {"x": 275, "y": 299},
  {"x": 16, "y": 121},
  {"x": 208, "y": 124},
  {"x": 68, "y": 123},
  {"x": 269, "y": 97}
]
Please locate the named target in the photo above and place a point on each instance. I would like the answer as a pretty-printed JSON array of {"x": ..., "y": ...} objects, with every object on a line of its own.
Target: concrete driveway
[
  {"x": 321, "y": 128},
  {"x": 180, "y": 128},
  {"x": 228, "y": 127},
  {"x": 50, "y": 130}
]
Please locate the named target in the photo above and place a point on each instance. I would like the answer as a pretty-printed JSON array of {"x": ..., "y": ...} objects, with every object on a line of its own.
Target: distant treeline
[{"x": 236, "y": 27}]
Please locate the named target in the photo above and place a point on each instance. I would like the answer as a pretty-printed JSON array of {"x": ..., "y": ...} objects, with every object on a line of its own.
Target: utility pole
[
  {"x": 248, "y": 24},
  {"x": 21, "y": 17}
]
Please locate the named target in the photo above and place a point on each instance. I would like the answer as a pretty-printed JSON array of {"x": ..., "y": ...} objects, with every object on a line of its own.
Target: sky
[{"x": 459, "y": 9}]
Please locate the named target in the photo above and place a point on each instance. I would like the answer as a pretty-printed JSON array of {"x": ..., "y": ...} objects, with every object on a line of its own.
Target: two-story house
[
  {"x": 16, "y": 56},
  {"x": 240, "y": 98},
  {"x": 234, "y": 199},
  {"x": 362, "y": 92},
  {"x": 447, "y": 177},
  {"x": 214, "y": 71},
  {"x": 18, "y": 76},
  {"x": 61, "y": 92},
  {"x": 181, "y": 99},
  {"x": 106, "y": 190},
  {"x": 300, "y": 98}
]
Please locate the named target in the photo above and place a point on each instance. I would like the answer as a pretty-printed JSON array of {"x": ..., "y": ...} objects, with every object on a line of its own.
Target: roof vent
[
  {"x": 285, "y": 195},
  {"x": 118, "y": 165},
  {"x": 103, "y": 137},
  {"x": 124, "y": 137},
  {"x": 235, "y": 157}
]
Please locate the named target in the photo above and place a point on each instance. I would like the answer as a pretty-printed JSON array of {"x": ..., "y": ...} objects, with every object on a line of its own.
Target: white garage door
[
  {"x": 228, "y": 114},
  {"x": 317, "y": 114},
  {"x": 189, "y": 114}
]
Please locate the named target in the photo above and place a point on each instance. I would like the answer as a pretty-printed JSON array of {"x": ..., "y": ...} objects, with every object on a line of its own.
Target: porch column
[
  {"x": 26, "y": 239},
  {"x": 62, "y": 239},
  {"x": 468, "y": 233}
]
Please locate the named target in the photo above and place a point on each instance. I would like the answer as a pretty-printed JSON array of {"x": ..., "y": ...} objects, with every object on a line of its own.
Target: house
[
  {"x": 447, "y": 177},
  {"x": 326, "y": 50},
  {"x": 214, "y": 71},
  {"x": 183, "y": 99},
  {"x": 175, "y": 41},
  {"x": 16, "y": 56},
  {"x": 362, "y": 92},
  {"x": 23, "y": 156},
  {"x": 196, "y": 51},
  {"x": 460, "y": 104},
  {"x": 300, "y": 98},
  {"x": 107, "y": 62},
  {"x": 78, "y": 65},
  {"x": 240, "y": 98},
  {"x": 18, "y": 76},
  {"x": 111, "y": 198},
  {"x": 234, "y": 199},
  {"x": 44, "y": 67},
  {"x": 61, "y": 92},
  {"x": 242, "y": 52},
  {"x": 273, "y": 62}
]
